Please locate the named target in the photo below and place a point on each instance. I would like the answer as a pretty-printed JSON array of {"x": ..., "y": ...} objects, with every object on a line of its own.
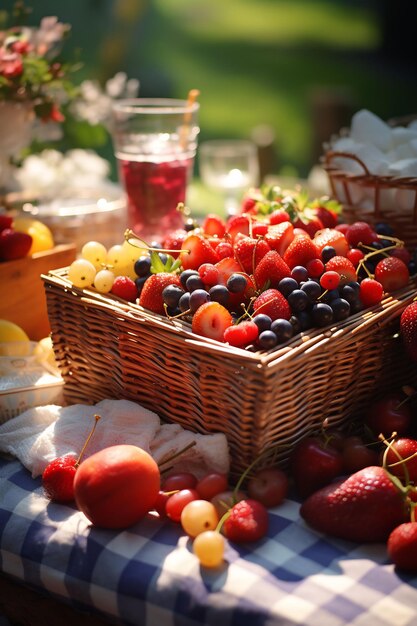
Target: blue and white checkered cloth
[{"x": 148, "y": 575}]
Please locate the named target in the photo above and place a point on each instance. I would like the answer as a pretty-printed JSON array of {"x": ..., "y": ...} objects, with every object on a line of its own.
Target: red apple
[
  {"x": 14, "y": 245},
  {"x": 6, "y": 221},
  {"x": 117, "y": 486},
  {"x": 314, "y": 464}
]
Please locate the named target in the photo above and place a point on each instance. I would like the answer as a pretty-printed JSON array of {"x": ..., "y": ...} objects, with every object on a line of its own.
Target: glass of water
[{"x": 230, "y": 167}]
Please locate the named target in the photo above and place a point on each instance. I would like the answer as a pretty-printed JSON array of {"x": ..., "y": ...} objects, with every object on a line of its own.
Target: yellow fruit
[
  {"x": 11, "y": 333},
  {"x": 44, "y": 353},
  {"x": 42, "y": 238}
]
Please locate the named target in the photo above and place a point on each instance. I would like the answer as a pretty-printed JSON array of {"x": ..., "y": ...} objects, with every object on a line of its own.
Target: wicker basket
[
  {"x": 106, "y": 347},
  {"x": 370, "y": 198}
]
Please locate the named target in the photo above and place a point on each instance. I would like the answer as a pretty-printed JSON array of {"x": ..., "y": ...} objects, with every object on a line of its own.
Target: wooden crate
[{"x": 23, "y": 296}]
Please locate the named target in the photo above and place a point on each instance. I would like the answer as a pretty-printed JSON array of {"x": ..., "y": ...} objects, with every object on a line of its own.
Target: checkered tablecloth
[{"x": 148, "y": 574}]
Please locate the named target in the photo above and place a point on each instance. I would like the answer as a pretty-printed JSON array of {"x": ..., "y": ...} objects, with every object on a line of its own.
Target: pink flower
[{"x": 10, "y": 64}]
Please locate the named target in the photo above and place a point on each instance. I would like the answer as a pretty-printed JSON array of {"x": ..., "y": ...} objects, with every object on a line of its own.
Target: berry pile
[{"x": 281, "y": 267}]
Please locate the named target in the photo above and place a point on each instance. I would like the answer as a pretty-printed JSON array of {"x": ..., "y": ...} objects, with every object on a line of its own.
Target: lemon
[
  {"x": 11, "y": 333},
  {"x": 44, "y": 353},
  {"x": 42, "y": 237}
]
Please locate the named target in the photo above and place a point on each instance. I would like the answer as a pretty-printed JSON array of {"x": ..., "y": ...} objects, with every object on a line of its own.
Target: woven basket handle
[{"x": 346, "y": 155}]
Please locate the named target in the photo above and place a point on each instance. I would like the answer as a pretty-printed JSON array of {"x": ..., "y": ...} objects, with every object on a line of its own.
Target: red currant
[{"x": 330, "y": 280}]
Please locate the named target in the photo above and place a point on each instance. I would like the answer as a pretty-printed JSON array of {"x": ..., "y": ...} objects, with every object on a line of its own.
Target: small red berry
[
  {"x": 315, "y": 268},
  {"x": 58, "y": 479},
  {"x": 355, "y": 256},
  {"x": 124, "y": 287},
  {"x": 248, "y": 521},
  {"x": 370, "y": 292},
  {"x": 241, "y": 335},
  {"x": 330, "y": 280}
]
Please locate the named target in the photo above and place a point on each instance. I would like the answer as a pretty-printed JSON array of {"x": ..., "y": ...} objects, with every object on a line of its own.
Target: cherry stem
[
  {"x": 222, "y": 521},
  {"x": 131, "y": 237},
  {"x": 403, "y": 488},
  {"x": 96, "y": 418},
  {"x": 174, "y": 455}
]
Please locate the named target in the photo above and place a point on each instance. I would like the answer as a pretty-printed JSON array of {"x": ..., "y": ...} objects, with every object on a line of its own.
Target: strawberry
[
  {"x": 226, "y": 268},
  {"x": 271, "y": 302},
  {"x": 237, "y": 224},
  {"x": 300, "y": 251},
  {"x": 213, "y": 225},
  {"x": 249, "y": 251},
  {"x": 279, "y": 236},
  {"x": 14, "y": 245},
  {"x": 241, "y": 335},
  {"x": 58, "y": 479},
  {"x": 392, "y": 273},
  {"x": 211, "y": 320},
  {"x": 248, "y": 521},
  {"x": 279, "y": 216},
  {"x": 270, "y": 270},
  {"x": 344, "y": 267},
  {"x": 151, "y": 294},
  {"x": 360, "y": 232},
  {"x": 195, "y": 251},
  {"x": 311, "y": 225},
  {"x": 327, "y": 217},
  {"x": 402, "y": 547},
  {"x": 332, "y": 237},
  {"x": 365, "y": 507},
  {"x": 408, "y": 328}
]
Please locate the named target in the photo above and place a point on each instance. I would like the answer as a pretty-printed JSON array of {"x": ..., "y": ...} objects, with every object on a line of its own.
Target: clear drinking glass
[
  {"x": 231, "y": 167},
  {"x": 155, "y": 142}
]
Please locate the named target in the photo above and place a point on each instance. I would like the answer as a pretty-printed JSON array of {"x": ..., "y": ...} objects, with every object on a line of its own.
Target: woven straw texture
[{"x": 109, "y": 348}]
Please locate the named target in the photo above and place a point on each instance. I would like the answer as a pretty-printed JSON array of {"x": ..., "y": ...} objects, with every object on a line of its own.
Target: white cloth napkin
[{"x": 41, "y": 434}]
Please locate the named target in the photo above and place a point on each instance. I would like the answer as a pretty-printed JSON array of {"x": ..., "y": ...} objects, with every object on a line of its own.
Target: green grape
[
  {"x": 94, "y": 252},
  {"x": 209, "y": 548},
  {"x": 104, "y": 280},
  {"x": 81, "y": 273}
]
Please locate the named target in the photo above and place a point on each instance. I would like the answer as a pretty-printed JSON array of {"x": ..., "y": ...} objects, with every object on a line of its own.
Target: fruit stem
[
  {"x": 222, "y": 521},
  {"x": 176, "y": 454},
  {"x": 96, "y": 418},
  {"x": 131, "y": 237},
  {"x": 403, "y": 488}
]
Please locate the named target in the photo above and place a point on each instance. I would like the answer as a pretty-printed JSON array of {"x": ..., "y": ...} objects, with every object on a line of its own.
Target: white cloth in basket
[{"x": 41, "y": 434}]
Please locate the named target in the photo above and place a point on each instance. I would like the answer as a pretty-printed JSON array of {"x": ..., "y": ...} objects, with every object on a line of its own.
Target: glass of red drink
[{"x": 155, "y": 142}]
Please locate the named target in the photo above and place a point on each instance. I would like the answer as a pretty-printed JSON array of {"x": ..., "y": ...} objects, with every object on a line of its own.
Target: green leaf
[{"x": 157, "y": 266}]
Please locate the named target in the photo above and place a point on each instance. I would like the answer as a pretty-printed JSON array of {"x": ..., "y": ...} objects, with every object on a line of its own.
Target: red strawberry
[
  {"x": 151, "y": 295},
  {"x": 344, "y": 267},
  {"x": 327, "y": 217},
  {"x": 211, "y": 320},
  {"x": 360, "y": 232},
  {"x": 241, "y": 335},
  {"x": 311, "y": 225},
  {"x": 58, "y": 479},
  {"x": 279, "y": 236},
  {"x": 14, "y": 245},
  {"x": 300, "y": 251},
  {"x": 365, "y": 507},
  {"x": 248, "y": 521},
  {"x": 402, "y": 547},
  {"x": 392, "y": 273},
  {"x": 226, "y": 268},
  {"x": 213, "y": 225},
  {"x": 332, "y": 237},
  {"x": 408, "y": 327},
  {"x": 271, "y": 269},
  {"x": 278, "y": 216},
  {"x": 195, "y": 251},
  {"x": 237, "y": 224},
  {"x": 249, "y": 251},
  {"x": 271, "y": 302}
]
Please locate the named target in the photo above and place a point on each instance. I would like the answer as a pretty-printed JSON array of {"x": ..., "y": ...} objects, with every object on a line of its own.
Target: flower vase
[{"x": 16, "y": 121}]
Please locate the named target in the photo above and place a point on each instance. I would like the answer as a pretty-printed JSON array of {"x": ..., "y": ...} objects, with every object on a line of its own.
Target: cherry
[
  {"x": 356, "y": 455},
  {"x": 211, "y": 484},
  {"x": 58, "y": 476},
  {"x": 314, "y": 464},
  {"x": 389, "y": 415},
  {"x": 181, "y": 480},
  {"x": 403, "y": 449},
  {"x": 177, "y": 501},
  {"x": 268, "y": 486}
]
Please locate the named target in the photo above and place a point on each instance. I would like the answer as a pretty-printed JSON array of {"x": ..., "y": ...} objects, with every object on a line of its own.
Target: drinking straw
[{"x": 192, "y": 97}]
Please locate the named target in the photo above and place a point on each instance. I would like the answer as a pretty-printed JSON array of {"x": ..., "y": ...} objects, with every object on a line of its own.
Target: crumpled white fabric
[{"x": 44, "y": 433}]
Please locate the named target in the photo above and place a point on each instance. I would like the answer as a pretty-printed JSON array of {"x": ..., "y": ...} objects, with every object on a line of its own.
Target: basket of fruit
[
  {"x": 372, "y": 170},
  {"x": 251, "y": 327}
]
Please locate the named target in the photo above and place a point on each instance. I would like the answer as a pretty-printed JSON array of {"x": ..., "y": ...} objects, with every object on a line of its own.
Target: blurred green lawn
[{"x": 254, "y": 61}]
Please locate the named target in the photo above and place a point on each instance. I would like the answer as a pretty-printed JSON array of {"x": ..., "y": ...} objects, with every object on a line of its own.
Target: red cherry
[
  {"x": 211, "y": 484},
  {"x": 404, "y": 449},
  {"x": 181, "y": 480},
  {"x": 269, "y": 486},
  {"x": 314, "y": 464},
  {"x": 388, "y": 415},
  {"x": 177, "y": 502}
]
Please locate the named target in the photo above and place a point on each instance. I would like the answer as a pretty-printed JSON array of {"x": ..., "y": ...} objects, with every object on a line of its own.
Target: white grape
[
  {"x": 94, "y": 252},
  {"x": 118, "y": 260},
  {"x": 104, "y": 280},
  {"x": 81, "y": 273}
]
